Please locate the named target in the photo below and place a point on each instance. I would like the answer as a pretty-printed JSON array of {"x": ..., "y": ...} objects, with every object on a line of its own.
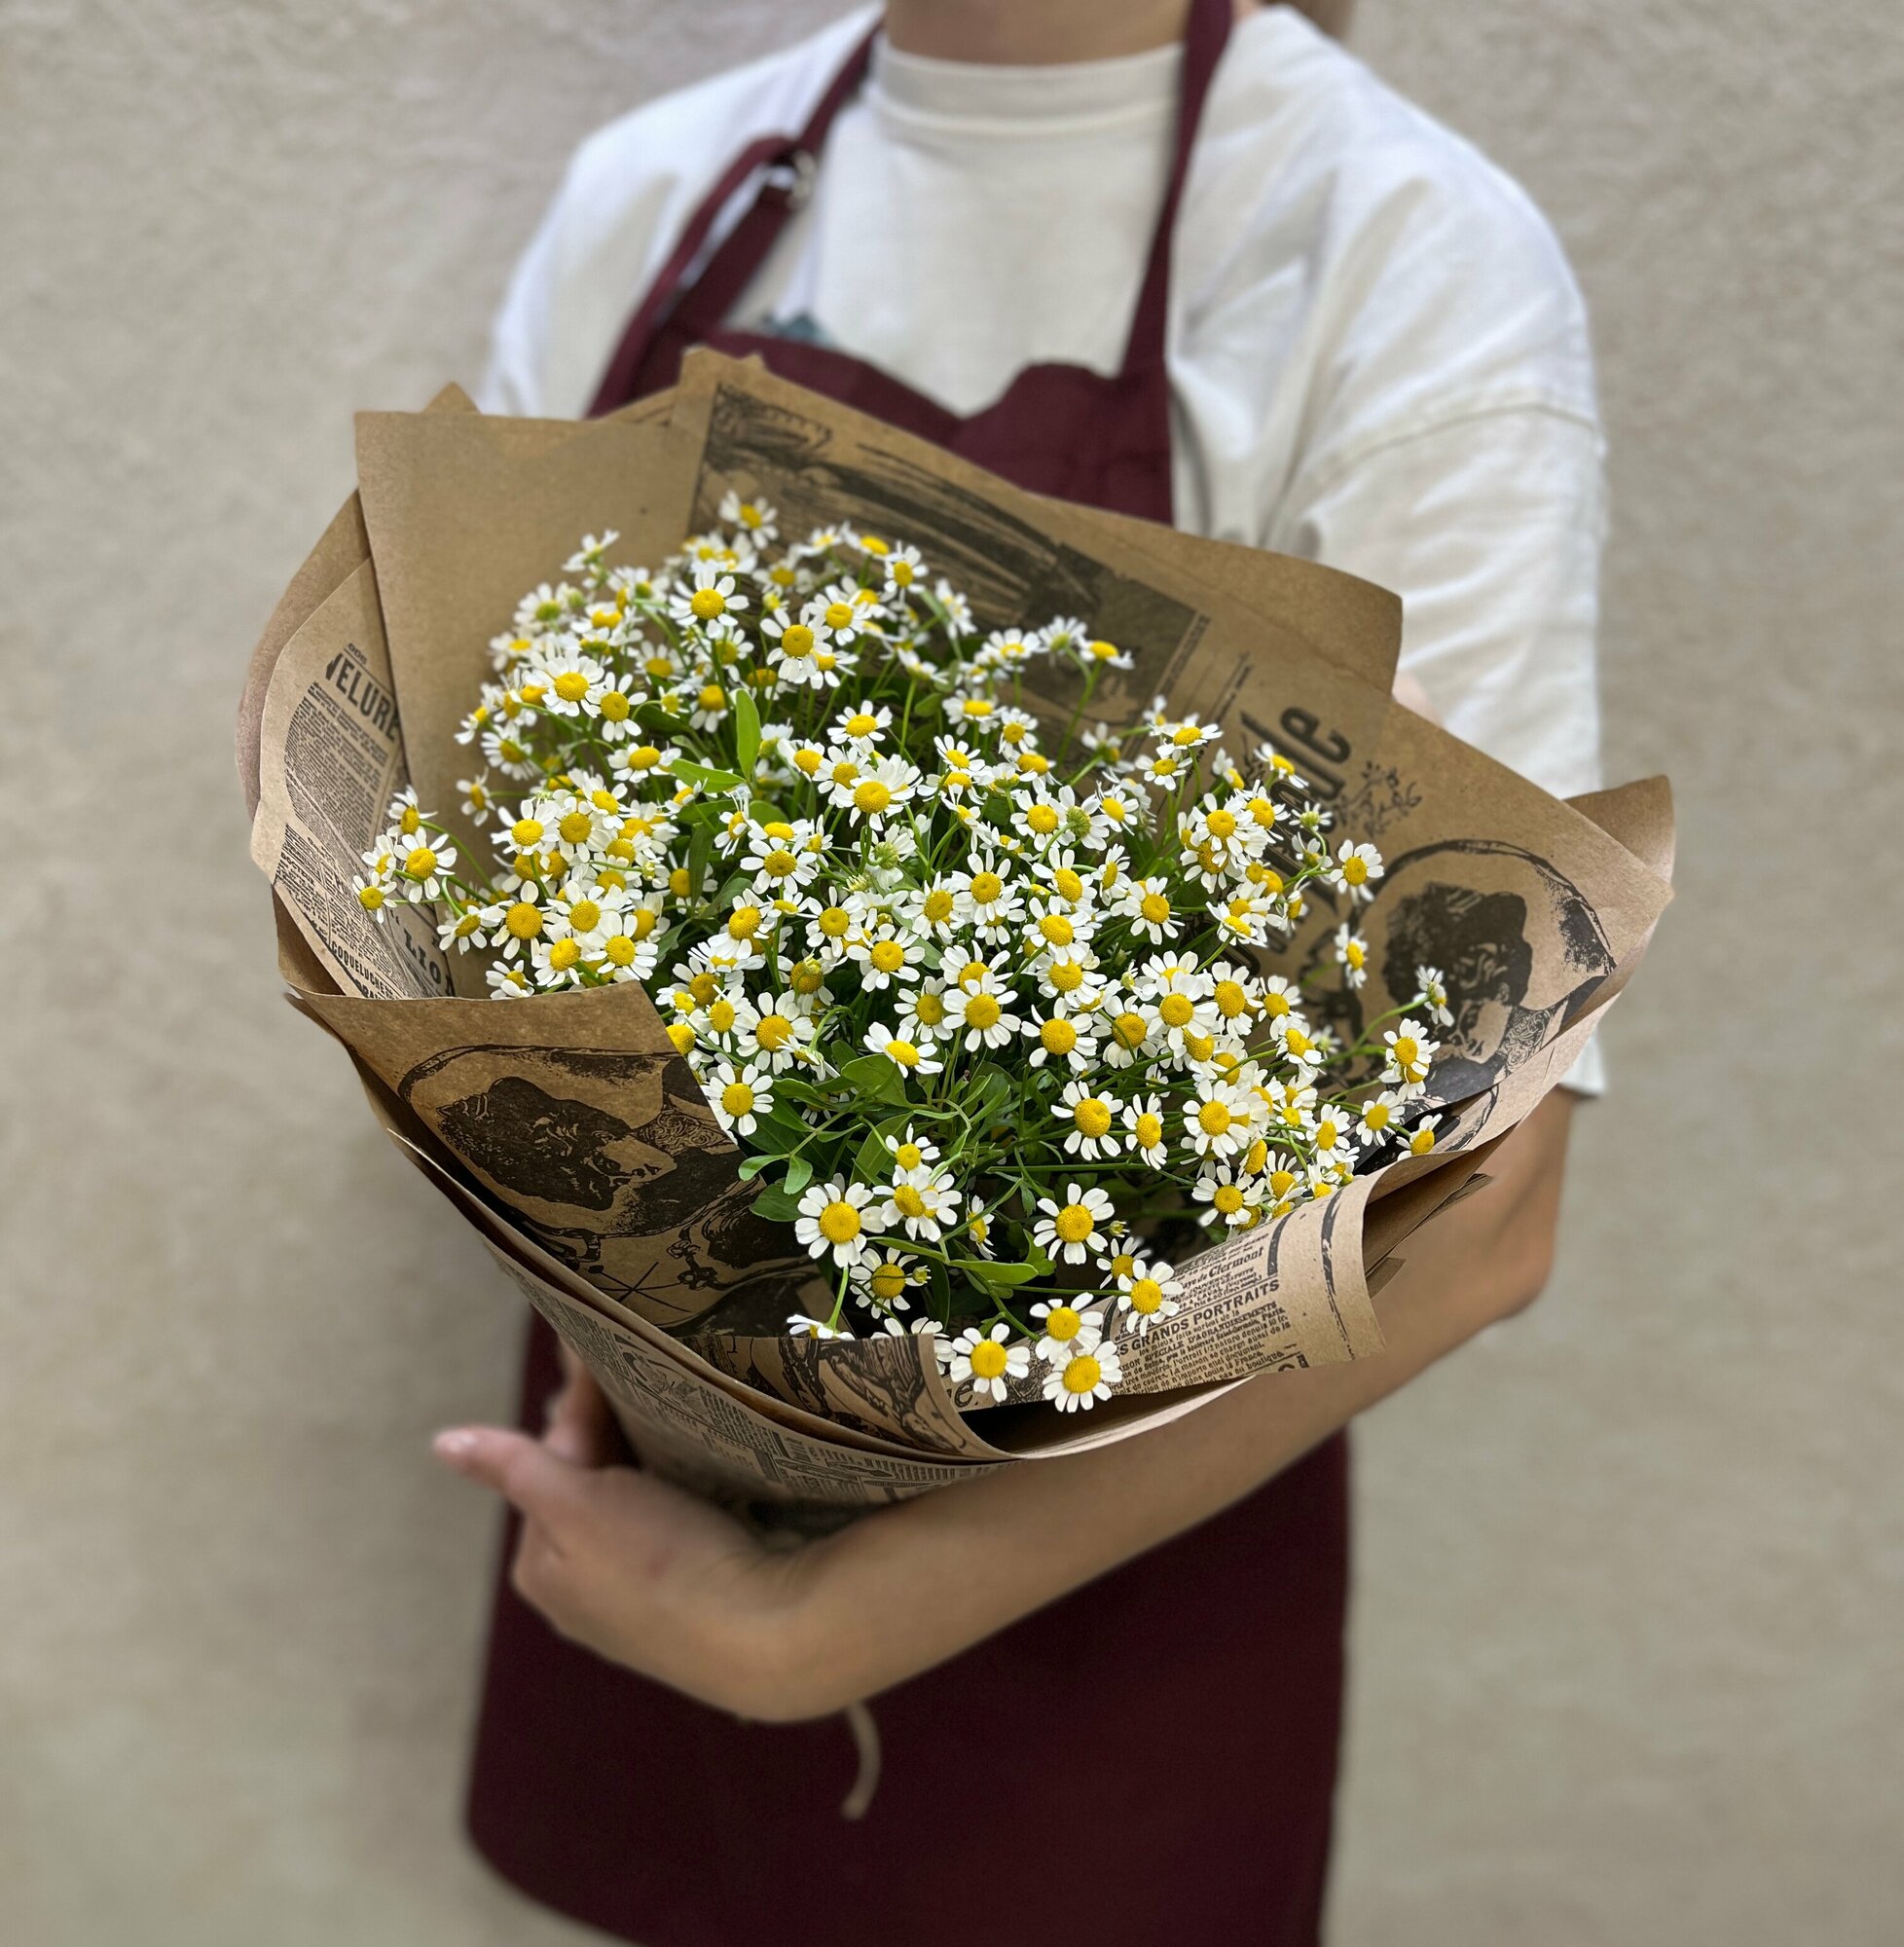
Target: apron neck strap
[
  {"x": 788, "y": 162},
  {"x": 1206, "y": 35}
]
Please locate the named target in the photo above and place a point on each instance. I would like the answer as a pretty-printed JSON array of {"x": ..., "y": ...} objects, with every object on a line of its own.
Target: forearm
[{"x": 948, "y": 1569}]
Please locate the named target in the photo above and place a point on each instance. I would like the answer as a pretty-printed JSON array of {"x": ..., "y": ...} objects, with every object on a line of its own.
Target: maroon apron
[{"x": 1008, "y": 1808}]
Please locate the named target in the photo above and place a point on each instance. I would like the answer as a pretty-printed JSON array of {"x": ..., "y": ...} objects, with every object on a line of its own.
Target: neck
[{"x": 1033, "y": 33}]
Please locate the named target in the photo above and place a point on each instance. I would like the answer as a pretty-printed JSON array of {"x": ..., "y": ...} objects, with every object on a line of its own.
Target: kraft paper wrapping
[{"x": 571, "y": 1137}]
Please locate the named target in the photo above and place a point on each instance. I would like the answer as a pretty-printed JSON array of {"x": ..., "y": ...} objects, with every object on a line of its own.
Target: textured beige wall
[{"x": 1630, "y": 1602}]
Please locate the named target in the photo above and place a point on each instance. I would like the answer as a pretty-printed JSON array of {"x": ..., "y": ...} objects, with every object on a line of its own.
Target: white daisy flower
[
  {"x": 1355, "y": 870},
  {"x": 986, "y": 1360},
  {"x": 1144, "y": 1121},
  {"x": 835, "y": 1216},
  {"x": 1148, "y": 1290},
  {"x": 924, "y": 1200},
  {"x": 1218, "y": 1123},
  {"x": 1065, "y": 1040},
  {"x": 908, "y": 1057},
  {"x": 800, "y": 1326},
  {"x": 738, "y": 1096},
  {"x": 1410, "y": 1052},
  {"x": 1351, "y": 955},
  {"x": 982, "y": 1014},
  {"x": 1073, "y": 1230},
  {"x": 1090, "y": 1121},
  {"x": 1083, "y": 1379},
  {"x": 711, "y": 600},
  {"x": 1433, "y": 983}
]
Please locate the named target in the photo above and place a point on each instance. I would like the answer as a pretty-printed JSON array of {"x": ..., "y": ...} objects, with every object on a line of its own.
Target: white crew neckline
[{"x": 1064, "y": 98}]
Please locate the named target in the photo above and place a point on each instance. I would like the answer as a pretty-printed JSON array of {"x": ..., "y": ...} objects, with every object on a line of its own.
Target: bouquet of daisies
[
  {"x": 965, "y": 954},
  {"x": 983, "y": 998}
]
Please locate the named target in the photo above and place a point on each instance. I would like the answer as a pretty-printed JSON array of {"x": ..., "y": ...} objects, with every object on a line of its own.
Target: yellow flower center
[
  {"x": 938, "y": 905},
  {"x": 1214, "y": 1118},
  {"x": 1130, "y": 1029},
  {"x": 780, "y": 864},
  {"x": 1408, "y": 1050},
  {"x": 619, "y": 950},
  {"x": 575, "y": 827},
  {"x": 421, "y": 862},
  {"x": 930, "y": 1008},
  {"x": 907, "y": 1201},
  {"x": 987, "y": 1359},
  {"x": 721, "y": 1016},
  {"x": 1375, "y": 1115},
  {"x": 1282, "y": 1182},
  {"x": 836, "y": 922},
  {"x": 838, "y": 615},
  {"x": 1155, "y": 908},
  {"x": 1058, "y": 1035},
  {"x": 1146, "y": 1295},
  {"x": 1228, "y": 1199},
  {"x": 1043, "y": 819},
  {"x": 1150, "y": 1130},
  {"x": 1355, "y": 870},
  {"x": 1092, "y": 1117},
  {"x": 1070, "y": 885},
  {"x": 713, "y": 696},
  {"x": 743, "y": 922},
  {"x": 1066, "y": 975},
  {"x": 1176, "y": 1010},
  {"x": 707, "y": 603},
  {"x": 523, "y": 920},
  {"x": 774, "y": 1032},
  {"x": 862, "y": 723},
  {"x": 371, "y": 897},
  {"x": 1057, "y": 929},
  {"x": 888, "y": 956},
  {"x": 584, "y": 915},
  {"x": 564, "y": 954},
  {"x": 1082, "y": 1374},
  {"x": 982, "y": 1011},
  {"x": 527, "y": 832},
  {"x": 643, "y": 757},
  {"x": 681, "y": 882},
  {"x": 1421, "y": 1142},
  {"x": 986, "y": 887},
  {"x": 839, "y": 1222},
  {"x": 681, "y": 1035},
  {"x": 872, "y": 795},
  {"x": 1231, "y": 1000},
  {"x": 571, "y": 686},
  {"x": 908, "y": 1156},
  {"x": 902, "y": 1051},
  {"x": 1073, "y": 1224},
  {"x": 737, "y": 1098}
]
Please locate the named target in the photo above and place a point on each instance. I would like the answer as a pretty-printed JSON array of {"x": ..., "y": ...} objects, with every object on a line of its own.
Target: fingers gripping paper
[{"x": 579, "y": 1137}]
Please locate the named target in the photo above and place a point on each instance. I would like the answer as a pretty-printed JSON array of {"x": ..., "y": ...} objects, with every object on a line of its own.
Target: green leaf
[
  {"x": 989, "y": 1089},
  {"x": 873, "y": 1075},
  {"x": 752, "y": 1166},
  {"x": 704, "y": 776},
  {"x": 983, "y": 1272},
  {"x": 746, "y": 732},
  {"x": 777, "y": 1203},
  {"x": 800, "y": 1173}
]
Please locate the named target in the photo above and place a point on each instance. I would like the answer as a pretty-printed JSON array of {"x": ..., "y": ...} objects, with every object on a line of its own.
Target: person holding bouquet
[{"x": 1185, "y": 260}]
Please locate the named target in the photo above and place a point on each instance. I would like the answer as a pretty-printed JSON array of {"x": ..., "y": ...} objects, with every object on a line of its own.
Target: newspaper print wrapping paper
[{"x": 572, "y": 1135}]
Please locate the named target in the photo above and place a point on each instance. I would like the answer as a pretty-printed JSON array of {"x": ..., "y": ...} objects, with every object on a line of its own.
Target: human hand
[{"x": 638, "y": 1570}]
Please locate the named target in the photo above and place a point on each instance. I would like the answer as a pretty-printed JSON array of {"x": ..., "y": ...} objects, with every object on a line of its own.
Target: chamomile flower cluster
[{"x": 982, "y": 991}]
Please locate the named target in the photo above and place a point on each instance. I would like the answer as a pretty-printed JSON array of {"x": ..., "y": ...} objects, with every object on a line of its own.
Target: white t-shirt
[{"x": 1378, "y": 357}]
